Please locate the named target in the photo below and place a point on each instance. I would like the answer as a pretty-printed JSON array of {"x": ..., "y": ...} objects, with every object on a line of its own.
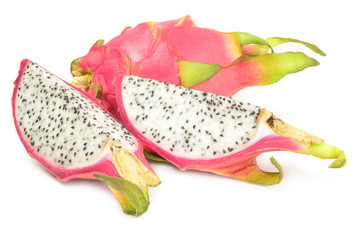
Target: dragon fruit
[
  {"x": 179, "y": 52},
  {"x": 208, "y": 132},
  {"x": 73, "y": 137}
]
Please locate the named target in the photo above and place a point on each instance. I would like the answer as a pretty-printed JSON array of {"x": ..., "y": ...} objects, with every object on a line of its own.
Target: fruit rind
[
  {"x": 154, "y": 157},
  {"x": 193, "y": 73},
  {"x": 275, "y": 41},
  {"x": 266, "y": 178},
  {"x": 131, "y": 197},
  {"x": 275, "y": 66},
  {"x": 327, "y": 151}
]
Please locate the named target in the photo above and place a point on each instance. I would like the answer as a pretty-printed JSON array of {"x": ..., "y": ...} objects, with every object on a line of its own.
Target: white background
[{"x": 312, "y": 201}]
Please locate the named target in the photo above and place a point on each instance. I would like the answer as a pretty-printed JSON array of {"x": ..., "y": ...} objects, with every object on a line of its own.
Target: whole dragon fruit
[
  {"x": 208, "y": 132},
  {"x": 73, "y": 137},
  {"x": 179, "y": 52}
]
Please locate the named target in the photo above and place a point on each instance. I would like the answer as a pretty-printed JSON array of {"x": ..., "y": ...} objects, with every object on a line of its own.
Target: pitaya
[
  {"x": 208, "y": 132},
  {"x": 73, "y": 137},
  {"x": 181, "y": 53}
]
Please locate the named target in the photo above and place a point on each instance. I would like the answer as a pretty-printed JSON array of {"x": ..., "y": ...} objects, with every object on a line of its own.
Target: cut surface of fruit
[
  {"x": 71, "y": 135},
  {"x": 203, "y": 131}
]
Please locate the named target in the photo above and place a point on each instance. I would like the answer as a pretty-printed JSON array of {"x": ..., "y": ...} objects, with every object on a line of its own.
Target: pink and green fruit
[
  {"x": 73, "y": 137},
  {"x": 179, "y": 52},
  {"x": 208, "y": 132}
]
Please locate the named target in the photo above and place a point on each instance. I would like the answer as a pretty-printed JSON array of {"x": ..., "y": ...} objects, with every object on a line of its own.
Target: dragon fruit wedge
[
  {"x": 208, "y": 132},
  {"x": 179, "y": 52},
  {"x": 73, "y": 137}
]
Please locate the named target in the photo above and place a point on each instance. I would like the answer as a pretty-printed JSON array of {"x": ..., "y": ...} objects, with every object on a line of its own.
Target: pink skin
[
  {"x": 112, "y": 64},
  {"x": 235, "y": 161},
  {"x": 195, "y": 44},
  {"x": 248, "y": 70},
  {"x": 152, "y": 50},
  {"x": 102, "y": 166},
  {"x": 254, "y": 50},
  {"x": 186, "y": 21},
  {"x": 94, "y": 58},
  {"x": 134, "y": 44},
  {"x": 162, "y": 64}
]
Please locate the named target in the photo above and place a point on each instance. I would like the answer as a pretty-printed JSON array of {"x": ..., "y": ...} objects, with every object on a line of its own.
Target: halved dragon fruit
[
  {"x": 208, "y": 132},
  {"x": 179, "y": 52},
  {"x": 73, "y": 137}
]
